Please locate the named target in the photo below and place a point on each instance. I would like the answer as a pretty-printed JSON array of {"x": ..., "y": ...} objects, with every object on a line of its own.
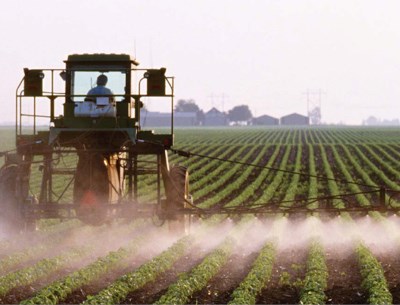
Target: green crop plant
[
  {"x": 59, "y": 290},
  {"x": 251, "y": 286},
  {"x": 315, "y": 281},
  {"x": 374, "y": 281},
  {"x": 181, "y": 291},
  {"x": 39, "y": 270}
]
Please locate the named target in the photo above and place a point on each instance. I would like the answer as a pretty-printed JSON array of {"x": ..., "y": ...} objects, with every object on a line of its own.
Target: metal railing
[{"x": 31, "y": 107}]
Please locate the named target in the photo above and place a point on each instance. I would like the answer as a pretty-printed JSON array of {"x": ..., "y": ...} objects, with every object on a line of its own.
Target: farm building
[
  {"x": 295, "y": 119},
  {"x": 265, "y": 120},
  {"x": 214, "y": 117},
  {"x": 185, "y": 119},
  {"x": 163, "y": 119}
]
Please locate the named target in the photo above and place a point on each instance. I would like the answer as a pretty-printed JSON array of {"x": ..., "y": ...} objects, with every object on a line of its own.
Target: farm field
[{"x": 308, "y": 258}]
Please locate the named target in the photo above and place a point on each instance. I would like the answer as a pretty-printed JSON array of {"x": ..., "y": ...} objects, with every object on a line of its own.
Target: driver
[{"x": 101, "y": 88}]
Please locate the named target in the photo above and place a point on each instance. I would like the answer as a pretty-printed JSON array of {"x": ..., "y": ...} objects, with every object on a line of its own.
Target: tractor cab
[
  {"x": 104, "y": 91},
  {"x": 98, "y": 86}
]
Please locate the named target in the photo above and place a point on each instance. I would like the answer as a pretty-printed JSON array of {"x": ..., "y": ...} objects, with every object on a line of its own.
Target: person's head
[{"x": 102, "y": 80}]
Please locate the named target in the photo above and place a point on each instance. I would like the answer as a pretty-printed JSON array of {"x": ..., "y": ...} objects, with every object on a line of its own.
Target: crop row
[
  {"x": 290, "y": 135},
  {"x": 58, "y": 291},
  {"x": 41, "y": 269},
  {"x": 256, "y": 279},
  {"x": 374, "y": 280},
  {"x": 149, "y": 271},
  {"x": 363, "y": 147},
  {"x": 180, "y": 292},
  {"x": 316, "y": 279},
  {"x": 218, "y": 180}
]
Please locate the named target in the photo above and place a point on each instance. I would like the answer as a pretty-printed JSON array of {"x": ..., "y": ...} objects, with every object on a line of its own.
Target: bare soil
[
  {"x": 220, "y": 288},
  {"x": 344, "y": 280},
  {"x": 287, "y": 274}
]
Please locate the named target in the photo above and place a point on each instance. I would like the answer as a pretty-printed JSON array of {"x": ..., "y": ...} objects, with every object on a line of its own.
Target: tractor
[{"x": 80, "y": 151}]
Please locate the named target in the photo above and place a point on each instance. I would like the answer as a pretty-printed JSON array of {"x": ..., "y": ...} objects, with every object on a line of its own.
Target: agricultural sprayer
[
  {"x": 100, "y": 126},
  {"x": 89, "y": 163}
]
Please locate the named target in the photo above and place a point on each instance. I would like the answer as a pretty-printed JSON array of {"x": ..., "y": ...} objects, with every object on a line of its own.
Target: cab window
[{"x": 83, "y": 81}]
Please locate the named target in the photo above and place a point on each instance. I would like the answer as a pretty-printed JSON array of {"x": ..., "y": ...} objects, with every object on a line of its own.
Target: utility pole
[
  {"x": 211, "y": 96},
  {"x": 314, "y": 104},
  {"x": 219, "y": 100},
  {"x": 223, "y": 102}
]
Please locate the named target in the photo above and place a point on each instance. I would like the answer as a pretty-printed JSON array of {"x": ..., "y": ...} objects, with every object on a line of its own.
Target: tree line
[{"x": 239, "y": 113}]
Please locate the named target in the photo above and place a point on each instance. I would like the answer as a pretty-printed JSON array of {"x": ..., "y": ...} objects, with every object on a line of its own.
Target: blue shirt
[{"x": 100, "y": 90}]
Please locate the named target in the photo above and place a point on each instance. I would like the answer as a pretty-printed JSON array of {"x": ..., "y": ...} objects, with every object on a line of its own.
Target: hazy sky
[{"x": 263, "y": 53}]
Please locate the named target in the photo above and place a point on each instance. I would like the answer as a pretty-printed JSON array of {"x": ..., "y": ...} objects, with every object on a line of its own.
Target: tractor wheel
[
  {"x": 11, "y": 219},
  {"x": 178, "y": 193},
  {"x": 95, "y": 186}
]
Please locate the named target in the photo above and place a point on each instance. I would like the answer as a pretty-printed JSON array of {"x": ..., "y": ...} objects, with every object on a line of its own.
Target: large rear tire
[
  {"x": 10, "y": 218},
  {"x": 178, "y": 194}
]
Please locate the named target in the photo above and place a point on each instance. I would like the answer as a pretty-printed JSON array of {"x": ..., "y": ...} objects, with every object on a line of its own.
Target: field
[{"x": 308, "y": 258}]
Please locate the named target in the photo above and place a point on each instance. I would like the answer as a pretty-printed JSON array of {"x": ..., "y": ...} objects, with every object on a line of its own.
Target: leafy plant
[
  {"x": 315, "y": 281},
  {"x": 374, "y": 280},
  {"x": 117, "y": 291},
  {"x": 195, "y": 280},
  {"x": 41, "y": 269},
  {"x": 59, "y": 290},
  {"x": 285, "y": 278}
]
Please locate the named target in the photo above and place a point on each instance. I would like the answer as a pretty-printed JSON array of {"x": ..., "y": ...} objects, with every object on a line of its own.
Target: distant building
[
  {"x": 161, "y": 119},
  {"x": 185, "y": 119},
  {"x": 265, "y": 120},
  {"x": 214, "y": 117},
  {"x": 295, "y": 119}
]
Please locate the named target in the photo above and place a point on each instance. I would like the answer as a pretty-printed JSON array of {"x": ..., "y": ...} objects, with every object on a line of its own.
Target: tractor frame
[{"x": 108, "y": 148}]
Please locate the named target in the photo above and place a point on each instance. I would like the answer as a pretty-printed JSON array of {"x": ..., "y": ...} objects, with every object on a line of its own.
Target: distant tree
[
  {"x": 240, "y": 113},
  {"x": 187, "y": 106},
  {"x": 190, "y": 106},
  {"x": 372, "y": 121}
]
